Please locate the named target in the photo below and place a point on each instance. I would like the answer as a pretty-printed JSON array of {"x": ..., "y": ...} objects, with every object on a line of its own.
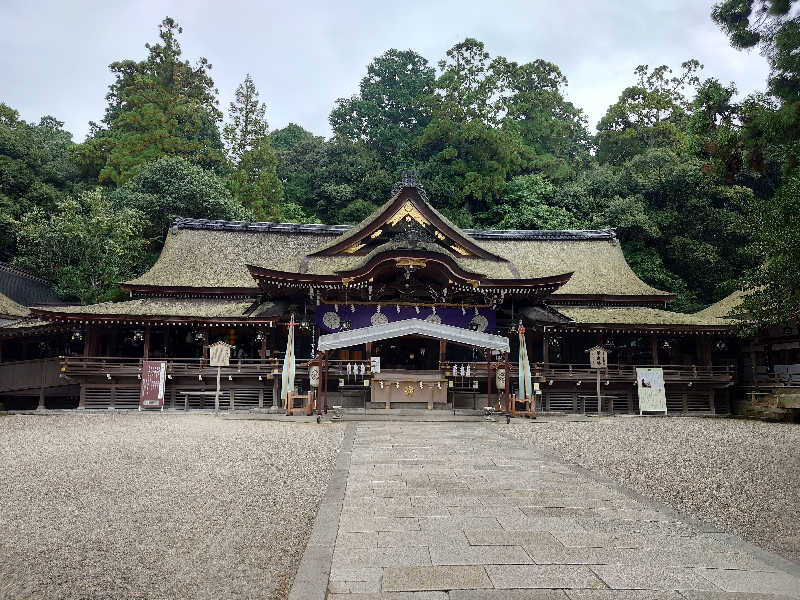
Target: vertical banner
[
  {"x": 652, "y": 394},
  {"x": 154, "y": 376}
]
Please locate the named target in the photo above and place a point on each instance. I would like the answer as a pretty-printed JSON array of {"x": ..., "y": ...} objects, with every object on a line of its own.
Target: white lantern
[
  {"x": 500, "y": 379},
  {"x": 313, "y": 376}
]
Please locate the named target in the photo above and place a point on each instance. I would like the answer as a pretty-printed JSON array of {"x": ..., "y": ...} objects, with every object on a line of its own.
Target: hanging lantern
[
  {"x": 313, "y": 376},
  {"x": 500, "y": 378}
]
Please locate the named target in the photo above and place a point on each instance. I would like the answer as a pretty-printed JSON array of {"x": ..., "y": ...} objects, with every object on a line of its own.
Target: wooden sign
[
  {"x": 598, "y": 357},
  {"x": 375, "y": 364},
  {"x": 151, "y": 393},
  {"x": 219, "y": 354},
  {"x": 652, "y": 395}
]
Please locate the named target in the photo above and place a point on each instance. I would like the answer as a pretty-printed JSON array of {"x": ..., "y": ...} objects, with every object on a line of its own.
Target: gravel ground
[
  {"x": 130, "y": 505},
  {"x": 743, "y": 476}
]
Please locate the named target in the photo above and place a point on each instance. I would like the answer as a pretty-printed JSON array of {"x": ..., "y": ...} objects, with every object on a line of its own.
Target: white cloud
[{"x": 54, "y": 55}]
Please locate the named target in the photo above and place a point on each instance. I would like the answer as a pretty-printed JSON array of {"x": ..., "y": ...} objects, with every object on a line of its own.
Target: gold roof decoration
[
  {"x": 408, "y": 212},
  {"x": 407, "y": 215}
]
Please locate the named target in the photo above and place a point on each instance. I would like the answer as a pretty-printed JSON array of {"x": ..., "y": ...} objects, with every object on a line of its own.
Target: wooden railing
[
  {"x": 614, "y": 372},
  {"x": 30, "y": 375},
  {"x": 77, "y": 366},
  {"x": 72, "y": 366}
]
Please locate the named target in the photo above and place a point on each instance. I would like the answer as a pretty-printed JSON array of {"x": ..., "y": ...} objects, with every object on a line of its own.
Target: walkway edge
[
  {"x": 769, "y": 557},
  {"x": 311, "y": 580}
]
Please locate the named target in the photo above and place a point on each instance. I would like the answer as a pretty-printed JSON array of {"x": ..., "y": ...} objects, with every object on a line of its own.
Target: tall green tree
[
  {"x": 650, "y": 114},
  {"x": 552, "y": 129},
  {"x": 682, "y": 229},
  {"x": 770, "y": 133},
  {"x": 253, "y": 181},
  {"x": 173, "y": 187},
  {"x": 36, "y": 170},
  {"x": 160, "y": 106},
  {"x": 391, "y": 109},
  {"x": 85, "y": 246},
  {"x": 469, "y": 84},
  {"x": 300, "y": 157},
  {"x": 247, "y": 122}
]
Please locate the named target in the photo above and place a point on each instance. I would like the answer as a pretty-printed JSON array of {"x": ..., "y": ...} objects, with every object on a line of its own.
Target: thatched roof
[
  {"x": 638, "y": 315},
  {"x": 201, "y": 254},
  {"x": 204, "y": 258},
  {"x": 165, "y": 309},
  {"x": 9, "y": 308},
  {"x": 723, "y": 308},
  {"x": 598, "y": 265}
]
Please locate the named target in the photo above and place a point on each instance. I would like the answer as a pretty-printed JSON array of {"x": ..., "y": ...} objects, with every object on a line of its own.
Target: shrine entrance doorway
[
  {"x": 408, "y": 353},
  {"x": 410, "y": 373}
]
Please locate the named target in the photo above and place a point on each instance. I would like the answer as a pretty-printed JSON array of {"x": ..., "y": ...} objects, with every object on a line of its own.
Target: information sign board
[
  {"x": 598, "y": 357},
  {"x": 151, "y": 393},
  {"x": 219, "y": 354},
  {"x": 652, "y": 395}
]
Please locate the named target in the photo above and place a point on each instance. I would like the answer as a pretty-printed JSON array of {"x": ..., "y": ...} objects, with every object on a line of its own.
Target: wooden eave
[
  {"x": 18, "y": 332},
  {"x": 575, "y": 327},
  {"x": 612, "y": 299},
  {"x": 137, "y": 289},
  {"x": 378, "y": 220},
  {"x": 106, "y": 319},
  {"x": 344, "y": 278}
]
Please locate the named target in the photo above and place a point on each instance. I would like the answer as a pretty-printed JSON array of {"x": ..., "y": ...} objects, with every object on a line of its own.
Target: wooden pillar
[
  {"x": 146, "y": 342},
  {"x": 654, "y": 348},
  {"x": 545, "y": 350},
  {"x": 276, "y": 391},
  {"x": 442, "y": 352},
  {"x": 41, "y": 390},
  {"x": 264, "y": 347},
  {"x": 704, "y": 350},
  {"x": 90, "y": 342}
]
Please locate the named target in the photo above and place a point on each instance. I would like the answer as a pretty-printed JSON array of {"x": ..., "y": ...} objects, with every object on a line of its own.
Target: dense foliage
[{"x": 702, "y": 188}]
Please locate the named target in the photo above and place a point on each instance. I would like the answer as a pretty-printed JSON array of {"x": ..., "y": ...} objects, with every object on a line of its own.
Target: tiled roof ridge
[
  {"x": 321, "y": 229},
  {"x": 4, "y": 266}
]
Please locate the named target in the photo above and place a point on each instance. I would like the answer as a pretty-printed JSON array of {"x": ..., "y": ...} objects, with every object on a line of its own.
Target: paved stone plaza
[{"x": 439, "y": 511}]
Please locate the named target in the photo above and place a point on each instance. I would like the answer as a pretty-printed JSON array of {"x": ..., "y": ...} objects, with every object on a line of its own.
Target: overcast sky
[{"x": 54, "y": 55}]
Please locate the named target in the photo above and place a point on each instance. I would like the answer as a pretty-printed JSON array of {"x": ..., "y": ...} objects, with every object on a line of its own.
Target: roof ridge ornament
[{"x": 409, "y": 180}]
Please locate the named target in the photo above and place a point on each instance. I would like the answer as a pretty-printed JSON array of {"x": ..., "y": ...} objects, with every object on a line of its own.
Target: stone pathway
[{"x": 460, "y": 512}]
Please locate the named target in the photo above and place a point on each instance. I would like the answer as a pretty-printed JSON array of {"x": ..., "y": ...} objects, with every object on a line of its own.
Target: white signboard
[
  {"x": 652, "y": 395},
  {"x": 375, "y": 364},
  {"x": 219, "y": 354},
  {"x": 598, "y": 357}
]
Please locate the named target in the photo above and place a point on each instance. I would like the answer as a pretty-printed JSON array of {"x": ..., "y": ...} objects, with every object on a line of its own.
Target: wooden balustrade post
[{"x": 263, "y": 347}]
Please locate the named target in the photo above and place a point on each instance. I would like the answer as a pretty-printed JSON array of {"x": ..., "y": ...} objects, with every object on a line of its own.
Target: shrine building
[{"x": 404, "y": 310}]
